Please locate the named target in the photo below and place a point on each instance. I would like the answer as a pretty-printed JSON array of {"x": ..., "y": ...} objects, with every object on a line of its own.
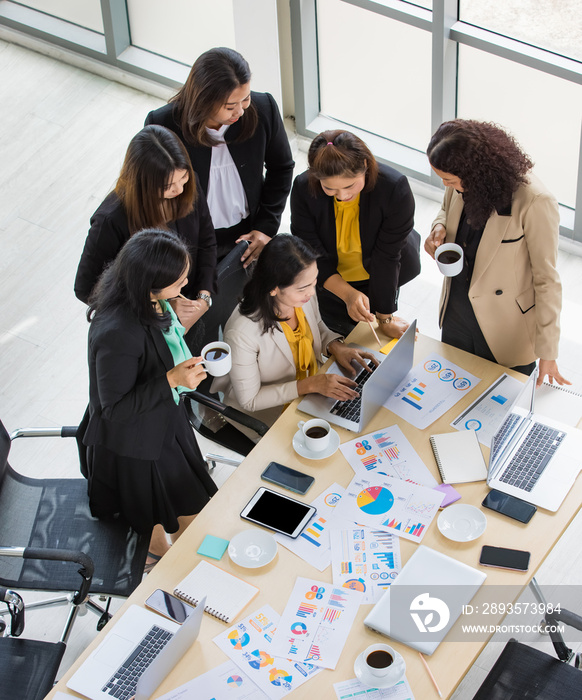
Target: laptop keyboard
[
  {"x": 350, "y": 410},
  {"x": 532, "y": 457},
  {"x": 123, "y": 683}
]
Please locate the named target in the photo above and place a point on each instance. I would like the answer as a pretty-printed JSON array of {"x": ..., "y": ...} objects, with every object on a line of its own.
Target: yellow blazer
[
  {"x": 263, "y": 375},
  {"x": 515, "y": 290}
]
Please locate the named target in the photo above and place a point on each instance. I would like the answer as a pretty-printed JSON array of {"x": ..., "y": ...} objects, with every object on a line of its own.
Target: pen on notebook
[
  {"x": 374, "y": 332},
  {"x": 430, "y": 674}
]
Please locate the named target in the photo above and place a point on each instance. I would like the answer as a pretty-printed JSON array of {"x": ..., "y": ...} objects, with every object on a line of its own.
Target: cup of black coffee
[
  {"x": 449, "y": 257},
  {"x": 216, "y": 358},
  {"x": 315, "y": 434},
  {"x": 380, "y": 666}
]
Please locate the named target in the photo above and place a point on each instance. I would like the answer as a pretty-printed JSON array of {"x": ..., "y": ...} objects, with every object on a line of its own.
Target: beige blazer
[
  {"x": 515, "y": 289},
  {"x": 263, "y": 375}
]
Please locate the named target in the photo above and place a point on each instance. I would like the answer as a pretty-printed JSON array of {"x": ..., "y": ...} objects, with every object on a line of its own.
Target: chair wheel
[{"x": 103, "y": 620}]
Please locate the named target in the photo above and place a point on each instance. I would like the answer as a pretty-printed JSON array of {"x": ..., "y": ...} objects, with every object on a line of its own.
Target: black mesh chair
[
  {"x": 47, "y": 532},
  {"x": 522, "y": 671}
]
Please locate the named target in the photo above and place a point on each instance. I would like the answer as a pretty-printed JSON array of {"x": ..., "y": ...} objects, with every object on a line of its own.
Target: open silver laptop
[
  {"x": 534, "y": 457},
  {"x": 374, "y": 388},
  {"x": 122, "y": 666}
]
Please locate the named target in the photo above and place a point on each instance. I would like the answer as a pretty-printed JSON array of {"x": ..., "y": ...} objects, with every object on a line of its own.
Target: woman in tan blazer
[
  {"x": 505, "y": 305},
  {"x": 278, "y": 338}
]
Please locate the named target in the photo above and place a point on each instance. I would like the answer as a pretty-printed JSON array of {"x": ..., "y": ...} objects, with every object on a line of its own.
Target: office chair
[
  {"x": 47, "y": 531},
  {"x": 29, "y": 666},
  {"x": 522, "y": 671}
]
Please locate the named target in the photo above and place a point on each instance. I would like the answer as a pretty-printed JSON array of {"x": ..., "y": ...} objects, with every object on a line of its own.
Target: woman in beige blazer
[
  {"x": 505, "y": 305},
  {"x": 277, "y": 337}
]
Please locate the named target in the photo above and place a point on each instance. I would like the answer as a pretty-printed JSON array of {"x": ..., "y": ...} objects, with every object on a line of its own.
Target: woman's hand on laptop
[
  {"x": 346, "y": 356},
  {"x": 333, "y": 386}
]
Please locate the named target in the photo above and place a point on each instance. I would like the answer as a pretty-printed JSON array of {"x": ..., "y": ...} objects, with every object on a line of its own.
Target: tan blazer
[
  {"x": 515, "y": 289},
  {"x": 263, "y": 375}
]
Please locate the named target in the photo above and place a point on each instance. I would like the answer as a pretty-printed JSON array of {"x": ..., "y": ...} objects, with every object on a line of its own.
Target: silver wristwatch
[{"x": 206, "y": 297}]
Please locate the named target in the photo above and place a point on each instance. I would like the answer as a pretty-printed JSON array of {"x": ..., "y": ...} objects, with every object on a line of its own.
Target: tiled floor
[{"x": 63, "y": 139}]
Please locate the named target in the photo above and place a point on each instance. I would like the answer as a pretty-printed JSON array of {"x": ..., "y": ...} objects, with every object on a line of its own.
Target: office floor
[{"x": 64, "y": 135}]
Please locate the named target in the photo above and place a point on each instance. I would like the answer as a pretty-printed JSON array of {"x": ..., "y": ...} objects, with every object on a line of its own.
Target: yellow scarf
[
  {"x": 348, "y": 240},
  {"x": 301, "y": 343}
]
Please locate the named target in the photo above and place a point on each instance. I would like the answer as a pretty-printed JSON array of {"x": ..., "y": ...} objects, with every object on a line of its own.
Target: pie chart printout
[{"x": 375, "y": 500}]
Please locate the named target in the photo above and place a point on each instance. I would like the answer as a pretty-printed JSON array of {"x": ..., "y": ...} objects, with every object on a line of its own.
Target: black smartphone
[
  {"x": 288, "y": 478},
  {"x": 169, "y": 606},
  {"x": 278, "y": 512},
  {"x": 502, "y": 558},
  {"x": 509, "y": 505}
]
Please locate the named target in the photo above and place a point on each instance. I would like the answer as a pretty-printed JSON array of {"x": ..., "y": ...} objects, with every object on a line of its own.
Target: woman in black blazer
[
  {"x": 366, "y": 259},
  {"x": 232, "y": 135},
  {"x": 157, "y": 188},
  {"x": 141, "y": 457}
]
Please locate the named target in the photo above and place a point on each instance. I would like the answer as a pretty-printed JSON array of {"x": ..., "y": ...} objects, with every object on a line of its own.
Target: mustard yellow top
[
  {"x": 348, "y": 241},
  {"x": 301, "y": 343}
]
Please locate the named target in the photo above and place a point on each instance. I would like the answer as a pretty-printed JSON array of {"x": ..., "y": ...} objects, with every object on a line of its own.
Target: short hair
[
  {"x": 152, "y": 157},
  {"x": 213, "y": 77},
  {"x": 338, "y": 153},
  {"x": 488, "y": 161},
  {"x": 150, "y": 261},
  {"x": 279, "y": 264}
]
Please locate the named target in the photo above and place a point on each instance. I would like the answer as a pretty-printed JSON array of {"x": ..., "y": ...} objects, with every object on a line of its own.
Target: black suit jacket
[
  {"x": 390, "y": 245},
  {"x": 268, "y": 148},
  {"x": 110, "y": 230},
  {"x": 131, "y": 405}
]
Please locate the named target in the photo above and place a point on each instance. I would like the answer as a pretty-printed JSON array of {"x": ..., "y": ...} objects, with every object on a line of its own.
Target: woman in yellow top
[
  {"x": 278, "y": 338},
  {"x": 358, "y": 215}
]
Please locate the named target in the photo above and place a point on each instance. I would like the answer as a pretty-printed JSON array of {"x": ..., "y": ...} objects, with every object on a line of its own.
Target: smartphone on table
[
  {"x": 169, "y": 606},
  {"x": 288, "y": 478},
  {"x": 509, "y": 505},
  {"x": 502, "y": 558}
]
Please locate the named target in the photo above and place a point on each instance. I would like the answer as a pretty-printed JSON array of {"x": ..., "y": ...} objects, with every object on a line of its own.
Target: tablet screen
[{"x": 278, "y": 512}]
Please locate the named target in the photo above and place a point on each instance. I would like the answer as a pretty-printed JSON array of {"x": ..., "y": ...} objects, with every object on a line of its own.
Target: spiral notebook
[
  {"x": 226, "y": 594},
  {"x": 458, "y": 456}
]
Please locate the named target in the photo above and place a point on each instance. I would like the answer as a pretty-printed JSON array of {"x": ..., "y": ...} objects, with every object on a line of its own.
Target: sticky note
[{"x": 213, "y": 547}]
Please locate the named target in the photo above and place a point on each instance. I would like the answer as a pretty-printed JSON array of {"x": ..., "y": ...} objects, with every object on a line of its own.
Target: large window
[{"x": 394, "y": 70}]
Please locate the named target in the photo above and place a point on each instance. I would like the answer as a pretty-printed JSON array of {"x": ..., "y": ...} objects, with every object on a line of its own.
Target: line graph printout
[
  {"x": 487, "y": 412},
  {"x": 392, "y": 505},
  {"x": 429, "y": 390},
  {"x": 365, "y": 560},
  {"x": 389, "y": 453},
  {"x": 250, "y": 645},
  {"x": 313, "y": 543},
  {"x": 316, "y": 622}
]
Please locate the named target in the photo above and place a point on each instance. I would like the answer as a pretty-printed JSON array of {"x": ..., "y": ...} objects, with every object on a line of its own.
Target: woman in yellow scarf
[{"x": 278, "y": 338}]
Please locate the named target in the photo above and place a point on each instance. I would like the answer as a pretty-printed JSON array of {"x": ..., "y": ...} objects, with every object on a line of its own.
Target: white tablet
[{"x": 277, "y": 512}]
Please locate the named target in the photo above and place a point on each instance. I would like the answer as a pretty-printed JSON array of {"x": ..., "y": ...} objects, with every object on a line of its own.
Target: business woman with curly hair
[{"x": 505, "y": 305}]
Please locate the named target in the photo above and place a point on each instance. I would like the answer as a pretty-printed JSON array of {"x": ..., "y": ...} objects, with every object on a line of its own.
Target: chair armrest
[
  {"x": 64, "y": 431},
  {"x": 86, "y": 571},
  {"x": 232, "y": 413}
]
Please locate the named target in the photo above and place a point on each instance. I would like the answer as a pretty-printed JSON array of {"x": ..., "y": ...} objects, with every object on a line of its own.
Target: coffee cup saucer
[
  {"x": 303, "y": 451},
  {"x": 368, "y": 679}
]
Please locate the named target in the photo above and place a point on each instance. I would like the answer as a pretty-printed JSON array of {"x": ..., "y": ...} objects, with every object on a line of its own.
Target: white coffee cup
[
  {"x": 216, "y": 358},
  {"x": 382, "y": 662},
  {"x": 318, "y": 440},
  {"x": 453, "y": 267}
]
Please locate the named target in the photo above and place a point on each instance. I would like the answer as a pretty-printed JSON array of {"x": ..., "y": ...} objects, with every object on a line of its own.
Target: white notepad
[
  {"x": 458, "y": 456},
  {"x": 226, "y": 594}
]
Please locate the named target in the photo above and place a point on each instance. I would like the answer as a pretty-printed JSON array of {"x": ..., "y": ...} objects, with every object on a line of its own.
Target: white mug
[
  {"x": 220, "y": 365},
  {"x": 319, "y": 439},
  {"x": 449, "y": 269},
  {"x": 383, "y": 662}
]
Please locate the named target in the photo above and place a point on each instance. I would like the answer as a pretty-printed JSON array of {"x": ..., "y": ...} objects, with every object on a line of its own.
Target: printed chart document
[
  {"x": 225, "y": 682},
  {"x": 387, "y": 452},
  {"x": 384, "y": 503},
  {"x": 348, "y": 690},
  {"x": 313, "y": 543},
  {"x": 488, "y": 411},
  {"x": 429, "y": 390},
  {"x": 250, "y": 645},
  {"x": 365, "y": 560},
  {"x": 316, "y": 622}
]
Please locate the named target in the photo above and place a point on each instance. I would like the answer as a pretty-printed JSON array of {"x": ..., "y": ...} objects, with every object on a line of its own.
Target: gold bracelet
[{"x": 388, "y": 319}]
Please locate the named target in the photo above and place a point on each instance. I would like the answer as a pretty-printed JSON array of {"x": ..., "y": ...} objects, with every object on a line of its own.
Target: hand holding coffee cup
[
  {"x": 449, "y": 258},
  {"x": 216, "y": 358},
  {"x": 315, "y": 434},
  {"x": 380, "y": 666}
]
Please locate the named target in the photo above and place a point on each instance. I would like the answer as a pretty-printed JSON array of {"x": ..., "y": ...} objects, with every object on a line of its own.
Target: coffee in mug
[
  {"x": 380, "y": 663},
  {"x": 379, "y": 658},
  {"x": 449, "y": 258},
  {"x": 315, "y": 434},
  {"x": 215, "y": 354},
  {"x": 216, "y": 358}
]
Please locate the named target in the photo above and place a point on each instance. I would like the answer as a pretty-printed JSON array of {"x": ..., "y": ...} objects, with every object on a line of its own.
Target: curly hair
[{"x": 488, "y": 161}]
